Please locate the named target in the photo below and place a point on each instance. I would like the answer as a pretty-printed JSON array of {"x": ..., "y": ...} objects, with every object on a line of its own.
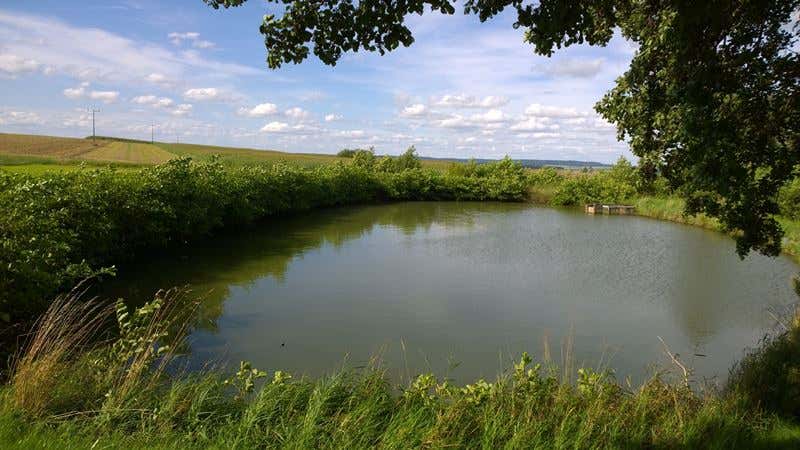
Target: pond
[{"x": 461, "y": 289}]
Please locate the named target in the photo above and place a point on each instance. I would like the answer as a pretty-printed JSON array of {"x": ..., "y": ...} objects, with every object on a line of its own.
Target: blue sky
[{"x": 464, "y": 89}]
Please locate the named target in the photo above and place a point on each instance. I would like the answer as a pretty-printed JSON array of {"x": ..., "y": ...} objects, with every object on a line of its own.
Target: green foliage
[
  {"x": 546, "y": 176},
  {"x": 244, "y": 381},
  {"x": 527, "y": 406},
  {"x": 58, "y": 228},
  {"x": 364, "y": 159},
  {"x": 768, "y": 377},
  {"x": 351, "y": 152},
  {"x": 711, "y": 98},
  {"x": 616, "y": 185},
  {"x": 789, "y": 199}
]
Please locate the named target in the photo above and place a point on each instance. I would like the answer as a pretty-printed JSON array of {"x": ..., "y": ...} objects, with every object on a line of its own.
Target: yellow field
[
  {"x": 249, "y": 156},
  {"x": 44, "y": 146},
  {"x": 129, "y": 152},
  {"x": 18, "y": 150}
]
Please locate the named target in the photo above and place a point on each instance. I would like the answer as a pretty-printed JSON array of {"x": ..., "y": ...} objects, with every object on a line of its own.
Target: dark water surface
[{"x": 460, "y": 289}]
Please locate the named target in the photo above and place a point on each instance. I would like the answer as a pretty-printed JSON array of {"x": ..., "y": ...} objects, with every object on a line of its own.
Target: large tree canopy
[{"x": 711, "y": 98}]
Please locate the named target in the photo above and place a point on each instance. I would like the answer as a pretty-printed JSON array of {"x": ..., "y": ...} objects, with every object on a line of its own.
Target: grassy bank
[
  {"x": 67, "y": 392},
  {"x": 621, "y": 184}
]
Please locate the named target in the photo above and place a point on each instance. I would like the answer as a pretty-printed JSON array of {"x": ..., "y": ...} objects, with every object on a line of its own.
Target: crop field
[
  {"x": 18, "y": 150},
  {"x": 44, "y": 146},
  {"x": 130, "y": 152},
  {"x": 242, "y": 156}
]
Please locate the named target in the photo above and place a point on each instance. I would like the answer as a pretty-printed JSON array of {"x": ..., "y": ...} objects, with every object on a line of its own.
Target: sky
[{"x": 194, "y": 74}]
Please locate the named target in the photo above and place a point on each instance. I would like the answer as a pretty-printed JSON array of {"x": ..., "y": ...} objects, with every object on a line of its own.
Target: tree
[{"x": 711, "y": 99}]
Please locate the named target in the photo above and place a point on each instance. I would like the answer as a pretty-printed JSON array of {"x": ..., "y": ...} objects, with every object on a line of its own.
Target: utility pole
[
  {"x": 152, "y": 133},
  {"x": 93, "y": 135}
]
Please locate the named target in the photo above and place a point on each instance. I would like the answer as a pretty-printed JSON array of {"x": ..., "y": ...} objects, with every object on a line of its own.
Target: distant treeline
[{"x": 531, "y": 163}]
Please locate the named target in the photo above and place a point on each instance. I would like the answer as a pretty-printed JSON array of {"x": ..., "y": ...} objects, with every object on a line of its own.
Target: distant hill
[{"x": 536, "y": 163}]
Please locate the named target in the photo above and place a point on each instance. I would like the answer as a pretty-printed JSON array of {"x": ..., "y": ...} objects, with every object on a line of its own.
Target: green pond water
[{"x": 461, "y": 289}]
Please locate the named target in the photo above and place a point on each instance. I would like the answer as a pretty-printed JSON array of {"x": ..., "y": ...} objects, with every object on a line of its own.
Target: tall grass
[{"x": 102, "y": 394}]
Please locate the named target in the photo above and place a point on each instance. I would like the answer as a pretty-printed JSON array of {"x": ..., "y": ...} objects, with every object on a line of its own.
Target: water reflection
[{"x": 425, "y": 284}]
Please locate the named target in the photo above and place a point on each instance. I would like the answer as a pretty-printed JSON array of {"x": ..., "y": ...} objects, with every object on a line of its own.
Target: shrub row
[{"x": 58, "y": 228}]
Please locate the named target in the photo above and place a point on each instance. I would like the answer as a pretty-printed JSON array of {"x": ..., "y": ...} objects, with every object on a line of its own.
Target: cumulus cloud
[
  {"x": 19, "y": 118},
  {"x": 296, "y": 113},
  {"x": 204, "y": 94},
  {"x": 152, "y": 100},
  {"x": 157, "y": 78},
  {"x": 82, "y": 92},
  {"x": 352, "y": 133},
  {"x": 415, "y": 110},
  {"x": 76, "y": 92},
  {"x": 13, "y": 65},
  {"x": 261, "y": 110},
  {"x": 181, "y": 110},
  {"x": 332, "y": 117},
  {"x": 104, "y": 96},
  {"x": 534, "y": 123},
  {"x": 275, "y": 127},
  {"x": 469, "y": 101},
  {"x": 454, "y": 121},
  {"x": 538, "y": 110},
  {"x": 491, "y": 116}
]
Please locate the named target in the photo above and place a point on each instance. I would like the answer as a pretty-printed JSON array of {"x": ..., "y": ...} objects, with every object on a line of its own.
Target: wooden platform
[{"x": 599, "y": 208}]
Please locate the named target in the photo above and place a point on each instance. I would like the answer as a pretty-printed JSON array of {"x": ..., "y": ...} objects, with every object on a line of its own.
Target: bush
[
  {"x": 789, "y": 199},
  {"x": 61, "y": 227},
  {"x": 616, "y": 185}
]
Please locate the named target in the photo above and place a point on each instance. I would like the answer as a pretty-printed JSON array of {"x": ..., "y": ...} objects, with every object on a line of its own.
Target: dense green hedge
[{"x": 58, "y": 228}]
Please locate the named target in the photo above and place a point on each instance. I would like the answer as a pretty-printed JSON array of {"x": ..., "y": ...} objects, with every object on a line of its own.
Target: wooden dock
[{"x": 599, "y": 208}]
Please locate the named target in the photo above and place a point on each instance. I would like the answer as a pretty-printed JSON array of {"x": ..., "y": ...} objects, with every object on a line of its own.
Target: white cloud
[
  {"x": 152, "y": 100},
  {"x": 296, "y": 113},
  {"x": 352, "y": 133},
  {"x": 261, "y": 110},
  {"x": 415, "y": 110},
  {"x": 534, "y": 123},
  {"x": 491, "y": 116},
  {"x": 455, "y": 121},
  {"x": 14, "y": 65},
  {"x": 468, "y": 101},
  {"x": 104, "y": 96},
  {"x": 19, "y": 118},
  {"x": 332, "y": 117},
  {"x": 538, "y": 110},
  {"x": 156, "y": 78},
  {"x": 178, "y": 38},
  {"x": 82, "y": 92},
  {"x": 96, "y": 54},
  {"x": 192, "y": 37},
  {"x": 275, "y": 127},
  {"x": 74, "y": 93},
  {"x": 203, "y": 94},
  {"x": 181, "y": 110},
  {"x": 203, "y": 44}
]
